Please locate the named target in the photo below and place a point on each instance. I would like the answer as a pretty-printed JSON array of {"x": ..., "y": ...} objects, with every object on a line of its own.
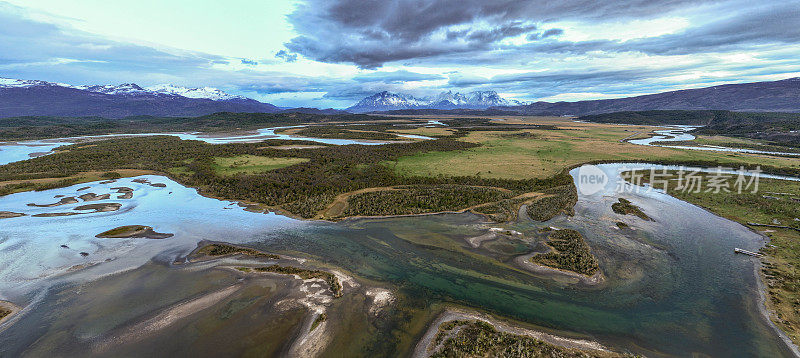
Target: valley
[{"x": 477, "y": 202}]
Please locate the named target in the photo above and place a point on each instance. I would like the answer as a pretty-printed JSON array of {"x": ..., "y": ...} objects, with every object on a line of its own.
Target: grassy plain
[
  {"x": 250, "y": 164},
  {"x": 426, "y": 131},
  {"x": 548, "y": 152}
]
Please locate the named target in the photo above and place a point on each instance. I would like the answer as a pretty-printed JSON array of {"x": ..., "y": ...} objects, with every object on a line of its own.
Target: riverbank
[
  {"x": 565, "y": 276},
  {"x": 779, "y": 273},
  {"x": 428, "y": 344},
  {"x": 7, "y": 311}
]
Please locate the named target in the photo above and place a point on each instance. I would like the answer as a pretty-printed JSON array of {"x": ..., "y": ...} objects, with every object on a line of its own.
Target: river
[
  {"x": 674, "y": 285},
  {"x": 17, "y": 151},
  {"x": 681, "y": 133}
]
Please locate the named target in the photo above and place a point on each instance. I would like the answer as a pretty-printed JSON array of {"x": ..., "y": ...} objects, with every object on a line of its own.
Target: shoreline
[
  {"x": 768, "y": 313},
  {"x": 10, "y": 306},
  {"x": 423, "y": 347},
  {"x": 524, "y": 262}
]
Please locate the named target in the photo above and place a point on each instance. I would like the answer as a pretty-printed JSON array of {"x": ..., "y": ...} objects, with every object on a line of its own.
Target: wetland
[{"x": 376, "y": 277}]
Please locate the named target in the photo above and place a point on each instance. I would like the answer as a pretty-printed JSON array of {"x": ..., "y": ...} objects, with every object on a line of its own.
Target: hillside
[
  {"x": 775, "y": 96},
  {"x": 39, "y": 98}
]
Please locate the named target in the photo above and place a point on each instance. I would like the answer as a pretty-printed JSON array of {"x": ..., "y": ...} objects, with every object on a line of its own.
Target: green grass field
[
  {"x": 250, "y": 164},
  {"x": 548, "y": 152}
]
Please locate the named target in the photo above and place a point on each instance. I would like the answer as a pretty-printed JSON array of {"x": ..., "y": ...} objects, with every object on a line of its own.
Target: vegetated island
[
  {"x": 570, "y": 252},
  {"x": 10, "y": 214},
  {"x": 7, "y": 309},
  {"x": 305, "y": 274},
  {"x": 220, "y": 249},
  {"x": 133, "y": 231},
  {"x": 459, "y": 332},
  {"x": 558, "y": 200},
  {"x": 625, "y": 207},
  {"x": 465, "y": 338}
]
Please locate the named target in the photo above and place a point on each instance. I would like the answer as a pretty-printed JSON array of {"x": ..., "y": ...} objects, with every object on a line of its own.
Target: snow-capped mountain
[
  {"x": 126, "y": 89},
  {"x": 15, "y": 83},
  {"x": 130, "y": 89},
  {"x": 41, "y": 98},
  {"x": 202, "y": 92},
  {"x": 386, "y": 101}
]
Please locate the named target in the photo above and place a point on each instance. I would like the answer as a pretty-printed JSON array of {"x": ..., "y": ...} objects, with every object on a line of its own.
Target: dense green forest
[
  {"x": 570, "y": 252},
  {"x": 346, "y": 132},
  {"x": 558, "y": 200},
  {"x": 20, "y": 128},
  {"x": 422, "y": 199},
  {"x": 303, "y": 189}
]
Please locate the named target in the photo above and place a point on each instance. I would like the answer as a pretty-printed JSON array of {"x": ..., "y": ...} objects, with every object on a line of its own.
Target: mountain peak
[
  {"x": 387, "y": 101},
  {"x": 200, "y": 92},
  {"x": 32, "y": 97}
]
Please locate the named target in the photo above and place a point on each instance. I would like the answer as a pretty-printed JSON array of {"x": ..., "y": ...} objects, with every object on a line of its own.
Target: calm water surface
[{"x": 674, "y": 285}]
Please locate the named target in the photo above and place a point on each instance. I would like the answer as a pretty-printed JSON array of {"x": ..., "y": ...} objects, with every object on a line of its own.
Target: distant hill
[
  {"x": 308, "y": 110},
  {"x": 775, "y": 96},
  {"x": 40, "y": 98},
  {"x": 655, "y": 118},
  {"x": 776, "y": 127}
]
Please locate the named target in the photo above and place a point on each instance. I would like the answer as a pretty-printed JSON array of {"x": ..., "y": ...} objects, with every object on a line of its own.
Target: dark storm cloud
[
  {"x": 768, "y": 23},
  {"x": 371, "y": 33},
  {"x": 552, "y": 32},
  {"x": 500, "y": 32}
]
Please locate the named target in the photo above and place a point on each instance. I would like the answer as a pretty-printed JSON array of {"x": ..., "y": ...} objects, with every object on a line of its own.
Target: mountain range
[
  {"x": 387, "y": 101},
  {"x": 40, "y": 98},
  {"x": 772, "y": 96}
]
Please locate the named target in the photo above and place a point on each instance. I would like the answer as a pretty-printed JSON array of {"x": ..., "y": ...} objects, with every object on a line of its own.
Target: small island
[
  {"x": 478, "y": 338},
  {"x": 570, "y": 252},
  {"x": 305, "y": 274},
  {"x": 217, "y": 249},
  {"x": 625, "y": 207},
  {"x": 10, "y": 214},
  {"x": 7, "y": 309},
  {"x": 133, "y": 231}
]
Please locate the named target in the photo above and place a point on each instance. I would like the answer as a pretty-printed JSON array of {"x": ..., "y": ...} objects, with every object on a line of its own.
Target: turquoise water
[{"x": 674, "y": 285}]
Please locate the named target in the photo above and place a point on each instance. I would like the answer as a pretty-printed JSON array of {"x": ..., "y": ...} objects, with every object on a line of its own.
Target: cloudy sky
[{"x": 331, "y": 53}]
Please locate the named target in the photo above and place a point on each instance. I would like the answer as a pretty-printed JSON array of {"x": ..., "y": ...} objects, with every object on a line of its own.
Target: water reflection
[
  {"x": 675, "y": 286},
  {"x": 681, "y": 133}
]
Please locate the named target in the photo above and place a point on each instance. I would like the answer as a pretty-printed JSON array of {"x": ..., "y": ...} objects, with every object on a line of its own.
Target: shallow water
[
  {"x": 674, "y": 285},
  {"x": 681, "y": 134},
  {"x": 14, "y": 152},
  {"x": 31, "y": 250},
  {"x": 10, "y": 153}
]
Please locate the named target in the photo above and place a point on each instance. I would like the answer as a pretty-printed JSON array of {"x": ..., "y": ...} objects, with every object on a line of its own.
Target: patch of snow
[{"x": 202, "y": 92}]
